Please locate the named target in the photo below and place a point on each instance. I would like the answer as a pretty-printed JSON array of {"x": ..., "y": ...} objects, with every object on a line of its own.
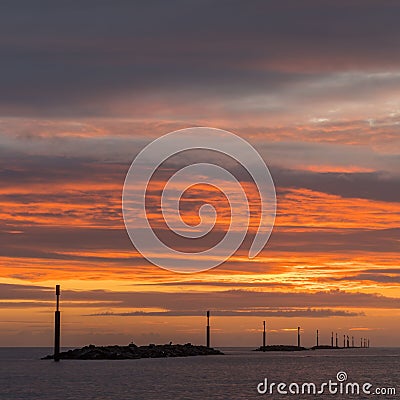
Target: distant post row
[{"x": 364, "y": 342}]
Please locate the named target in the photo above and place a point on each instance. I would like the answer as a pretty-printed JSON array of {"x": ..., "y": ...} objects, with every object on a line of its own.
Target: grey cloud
[
  {"x": 394, "y": 271},
  {"x": 309, "y": 313},
  {"x": 68, "y": 59},
  {"x": 335, "y": 241},
  {"x": 284, "y": 158},
  {"x": 24, "y": 292},
  {"x": 57, "y": 242},
  {"x": 372, "y": 277},
  {"x": 218, "y": 284},
  {"x": 230, "y": 300},
  {"x": 365, "y": 185}
]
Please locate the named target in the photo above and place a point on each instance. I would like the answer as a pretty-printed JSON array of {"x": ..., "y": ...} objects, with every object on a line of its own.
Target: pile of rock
[
  {"x": 132, "y": 351},
  {"x": 280, "y": 347}
]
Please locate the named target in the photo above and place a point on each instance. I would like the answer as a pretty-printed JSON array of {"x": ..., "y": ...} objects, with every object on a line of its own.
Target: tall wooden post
[
  {"x": 317, "y": 338},
  {"x": 298, "y": 336},
  {"x": 208, "y": 329},
  {"x": 57, "y": 323},
  {"x": 344, "y": 341},
  {"x": 337, "y": 344},
  {"x": 352, "y": 341},
  {"x": 332, "y": 339},
  {"x": 264, "y": 337}
]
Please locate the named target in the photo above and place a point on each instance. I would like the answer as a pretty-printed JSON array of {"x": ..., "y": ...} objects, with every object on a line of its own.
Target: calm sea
[{"x": 233, "y": 376}]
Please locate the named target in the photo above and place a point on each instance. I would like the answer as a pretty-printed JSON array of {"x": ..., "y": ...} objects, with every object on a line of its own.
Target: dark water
[{"x": 234, "y": 376}]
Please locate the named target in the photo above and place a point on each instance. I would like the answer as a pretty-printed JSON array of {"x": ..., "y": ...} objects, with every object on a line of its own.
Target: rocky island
[
  {"x": 280, "y": 347},
  {"x": 132, "y": 352}
]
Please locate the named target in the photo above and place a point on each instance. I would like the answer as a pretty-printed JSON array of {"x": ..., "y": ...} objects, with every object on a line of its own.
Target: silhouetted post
[
  {"x": 352, "y": 341},
  {"x": 344, "y": 341},
  {"x": 264, "y": 336},
  {"x": 208, "y": 329},
  {"x": 332, "y": 340},
  {"x": 348, "y": 341},
  {"x": 57, "y": 321},
  {"x": 317, "y": 338},
  {"x": 361, "y": 342},
  {"x": 298, "y": 336},
  {"x": 337, "y": 344}
]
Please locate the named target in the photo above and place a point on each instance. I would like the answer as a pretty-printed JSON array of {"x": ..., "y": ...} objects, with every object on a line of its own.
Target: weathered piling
[
  {"x": 57, "y": 326},
  {"x": 264, "y": 336},
  {"x": 208, "y": 329},
  {"x": 298, "y": 337}
]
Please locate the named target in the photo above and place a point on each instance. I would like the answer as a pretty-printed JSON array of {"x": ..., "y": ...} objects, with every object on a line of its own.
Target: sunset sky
[{"x": 314, "y": 86}]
